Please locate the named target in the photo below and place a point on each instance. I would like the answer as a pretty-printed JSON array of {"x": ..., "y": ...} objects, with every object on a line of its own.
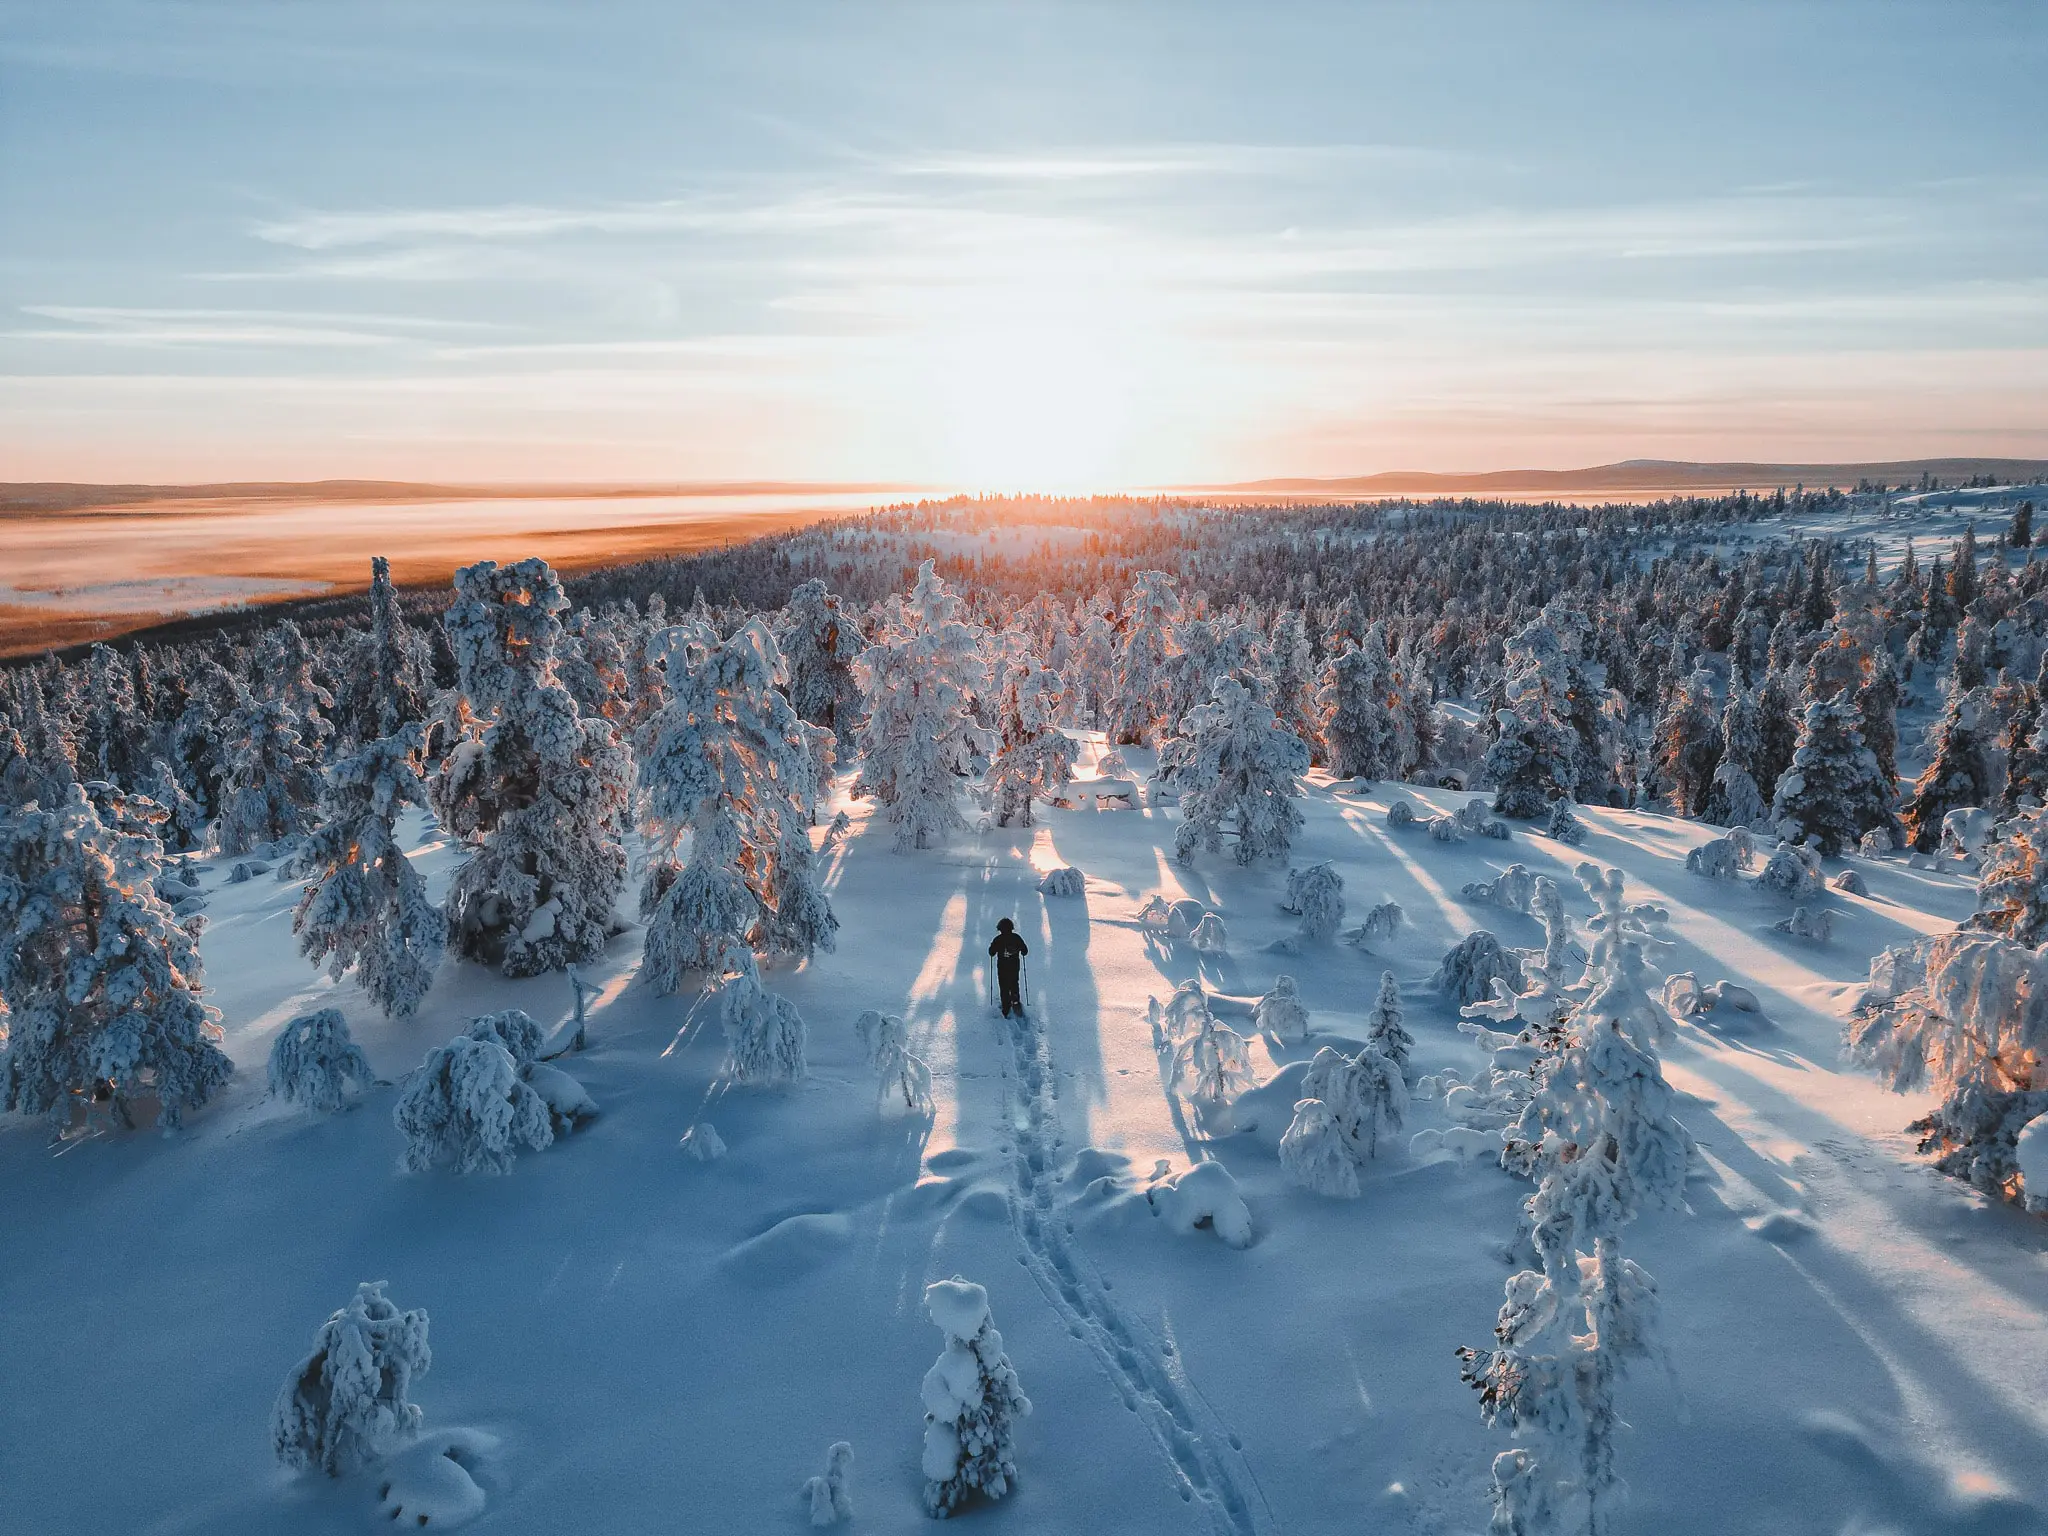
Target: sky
[{"x": 1027, "y": 246}]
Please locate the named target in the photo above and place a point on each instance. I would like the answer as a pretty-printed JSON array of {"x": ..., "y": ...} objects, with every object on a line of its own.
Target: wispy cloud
[{"x": 106, "y": 325}]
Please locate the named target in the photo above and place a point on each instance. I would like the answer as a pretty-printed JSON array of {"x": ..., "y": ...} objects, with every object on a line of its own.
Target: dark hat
[{"x": 1005, "y": 926}]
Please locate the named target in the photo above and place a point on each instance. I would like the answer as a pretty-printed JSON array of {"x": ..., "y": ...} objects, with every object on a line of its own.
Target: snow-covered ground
[{"x": 635, "y": 1340}]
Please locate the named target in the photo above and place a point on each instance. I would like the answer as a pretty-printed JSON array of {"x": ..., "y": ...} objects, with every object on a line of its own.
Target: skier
[{"x": 1009, "y": 949}]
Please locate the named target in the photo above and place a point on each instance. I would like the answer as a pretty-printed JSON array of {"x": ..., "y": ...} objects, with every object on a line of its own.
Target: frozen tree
[
  {"x": 1317, "y": 893},
  {"x": 1358, "y": 727},
  {"x": 1472, "y": 965},
  {"x": 828, "y": 1497},
  {"x": 1960, "y": 771},
  {"x": 728, "y": 761},
  {"x": 918, "y": 679},
  {"x": 283, "y": 668},
  {"x": 365, "y": 906},
  {"x": 1570, "y": 1327},
  {"x": 1238, "y": 770},
  {"x": 101, "y": 983},
  {"x": 346, "y": 1403},
  {"x": 1385, "y": 1030},
  {"x": 384, "y": 686},
  {"x": 184, "y": 828},
  {"x": 1142, "y": 681},
  {"x": 533, "y": 786},
  {"x": 1314, "y": 1153},
  {"x": 1959, "y": 1014},
  {"x": 1564, "y": 824},
  {"x": 971, "y": 1403},
  {"x": 820, "y": 640},
  {"x": 764, "y": 1034},
  {"x": 272, "y": 782},
  {"x": 1688, "y": 744},
  {"x": 1364, "y": 1093},
  {"x": 468, "y": 1105},
  {"x": 1291, "y": 675},
  {"x": 1734, "y": 800},
  {"x": 1211, "y": 1061},
  {"x": 1832, "y": 793},
  {"x": 315, "y": 1060},
  {"x": 887, "y": 1042},
  {"x": 1280, "y": 1011},
  {"x": 1034, "y": 757},
  {"x": 1792, "y": 871},
  {"x": 1535, "y": 758},
  {"x": 2012, "y": 889},
  {"x": 113, "y": 736}
]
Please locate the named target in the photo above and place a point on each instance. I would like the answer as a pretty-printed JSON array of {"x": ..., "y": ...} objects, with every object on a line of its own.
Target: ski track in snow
[{"x": 1207, "y": 1463}]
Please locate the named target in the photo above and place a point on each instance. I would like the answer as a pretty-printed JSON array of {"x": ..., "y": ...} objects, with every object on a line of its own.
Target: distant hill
[{"x": 1642, "y": 475}]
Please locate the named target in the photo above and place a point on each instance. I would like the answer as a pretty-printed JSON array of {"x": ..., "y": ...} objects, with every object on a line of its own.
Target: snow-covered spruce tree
[
  {"x": 1034, "y": 757},
  {"x": 1832, "y": 793},
  {"x": 828, "y": 1497},
  {"x": 1142, "y": 679},
  {"x": 1734, "y": 800},
  {"x": 2012, "y": 888},
  {"x": 918, "y": 679},
  {"x": 1548, "y": 741},
  {"x": 897, "y": 1069},
  {"x": 820, "y": 639},
  {"x": 1959, "y": 1014},
  {"x": 101, "y": 983},
  {"x": 1688, "y": 744},
  {"x": 1314, "y": 1153},
  {"x": 1533, "y": 760},
  {"x": 1290, "y": 670},
  {"x": 468, "y": 1105},
  {"x": 1385, "y": 1029},
  {"x": 971, "y": 1403},
  {"x": 1280, "y": 1011},
  {"x": 113, "y": 735},
  {"x": 273, "y": 783},
  {"x": 1960, "y": 771},
  {"x": 1090, "y": 673},
  {"x": 534, "y": 787},
  {"x": 1237, "y": 770},
  {"x": 1472, "y": 965},
  {"x": 728, "y": 761},
  {"x": 314, "y": 1061},
  {"x": 1357, "y": 724},
  {"x": 365, "y": 907},
  {"x": 346, "y": 1403},
  {"x": 764, "y": 1034},
  {"x": 1211, "y": 1061},
  {"x": 283, "y": 670},
  {"x": 1569, "y": 1329},
  {"x": 1317, "y": 894},
  {"x": 383, "y": 687},
  {"x": 184, "y": 829},
  {"x": 1364, "y": 1093}
]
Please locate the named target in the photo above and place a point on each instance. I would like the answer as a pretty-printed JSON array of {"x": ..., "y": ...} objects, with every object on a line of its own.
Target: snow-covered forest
[{"x": 1528, "y": 1018}]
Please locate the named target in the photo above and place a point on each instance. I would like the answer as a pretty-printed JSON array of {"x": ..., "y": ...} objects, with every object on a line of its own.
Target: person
[{"x": 1009, "y": 948}]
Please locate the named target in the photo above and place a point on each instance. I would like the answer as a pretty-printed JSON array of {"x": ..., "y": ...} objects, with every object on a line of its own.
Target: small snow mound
[
  {"x": 1065, "y": 881},
  {"x": 429, "y": 1486},
  {"x": 1286, "y": 944},
  {"x": 1463, "y": 1142},
  {"x": 568, "y": 1104},
  {"x": 702, "y": 1142},
  {"x": 1264, "y": 1112},
  {"x": 1205, "y": 1196},
  {"x": 958, "y": 1307},
  {"x": 793, "y": 1247},
  {"x": 1781, "y": 1227},
  {"x": 1850, "y": 883}
]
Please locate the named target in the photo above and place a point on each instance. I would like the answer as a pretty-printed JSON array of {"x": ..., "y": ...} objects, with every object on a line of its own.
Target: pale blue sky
[{"x": 1013, "y": 245}]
